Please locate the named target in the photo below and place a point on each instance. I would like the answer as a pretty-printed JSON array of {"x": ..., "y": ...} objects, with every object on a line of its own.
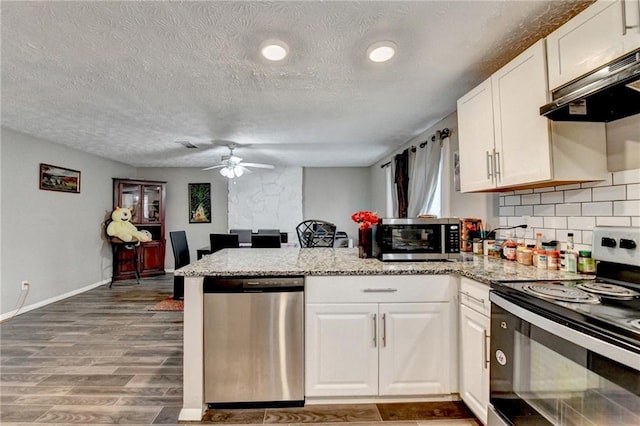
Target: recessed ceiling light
[
  {"x": 381, "y": 51},
  {"x": 274, "y": 50}
]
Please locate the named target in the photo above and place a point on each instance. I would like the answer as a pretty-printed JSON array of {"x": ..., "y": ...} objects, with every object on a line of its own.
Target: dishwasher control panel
[{"x": 253, "y": 284}]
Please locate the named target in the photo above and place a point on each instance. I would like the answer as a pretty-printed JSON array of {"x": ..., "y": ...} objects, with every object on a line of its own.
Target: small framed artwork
[
  {"x": 199, "y": 203},
  {"x": 54, "y": 178}
]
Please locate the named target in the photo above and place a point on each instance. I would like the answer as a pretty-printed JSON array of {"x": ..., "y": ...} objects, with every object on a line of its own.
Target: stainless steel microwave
[{"x": 418, "y": 239}]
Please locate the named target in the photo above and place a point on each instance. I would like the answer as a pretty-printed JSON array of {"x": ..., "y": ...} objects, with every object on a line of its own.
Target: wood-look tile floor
[{"x": 102, "y": 358}]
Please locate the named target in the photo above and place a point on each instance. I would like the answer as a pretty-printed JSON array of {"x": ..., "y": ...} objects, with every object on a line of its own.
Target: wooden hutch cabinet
[{"x": 147, "y": 200}]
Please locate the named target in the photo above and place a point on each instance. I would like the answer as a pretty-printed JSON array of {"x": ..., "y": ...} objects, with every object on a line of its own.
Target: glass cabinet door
[
  {"x": 151, "y": 203},
  {"x": 130, "y": 198}
]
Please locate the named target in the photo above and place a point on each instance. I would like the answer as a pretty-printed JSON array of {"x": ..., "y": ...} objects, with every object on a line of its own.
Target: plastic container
[
  {"x": 542, "y": 259},
  {"x": 553, "y": 260},
  {"x": 586, "y": 264},
  {"x": 509, "y": 248},
  {"x": 524, "y": 257},
  {"x": 478, "y": 246}
]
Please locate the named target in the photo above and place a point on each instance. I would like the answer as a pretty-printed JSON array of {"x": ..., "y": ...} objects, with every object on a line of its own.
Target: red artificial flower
[{"x": 365, "y": 219}]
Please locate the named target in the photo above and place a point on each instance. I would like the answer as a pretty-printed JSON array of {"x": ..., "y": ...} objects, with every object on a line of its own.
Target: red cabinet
[{"x": 146, "y": 199}]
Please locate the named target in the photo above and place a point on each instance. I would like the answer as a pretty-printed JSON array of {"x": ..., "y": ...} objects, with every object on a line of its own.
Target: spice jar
[
  {"x": 477, "y": 246},
  {"x": 553, "y": 260},
  {"x": 586, "y": 264},
  {"x": 524, "y": 257},
  {"x": 542, "y": 259}
]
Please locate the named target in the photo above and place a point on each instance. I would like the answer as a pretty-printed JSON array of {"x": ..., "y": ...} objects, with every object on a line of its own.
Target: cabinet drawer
[
  {"x": 378, "y": 289},
  {"x": 475, "y": 295}
]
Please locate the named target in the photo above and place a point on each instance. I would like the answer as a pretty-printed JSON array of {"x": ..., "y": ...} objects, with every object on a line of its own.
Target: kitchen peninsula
[{"x": 338, "y": 268}]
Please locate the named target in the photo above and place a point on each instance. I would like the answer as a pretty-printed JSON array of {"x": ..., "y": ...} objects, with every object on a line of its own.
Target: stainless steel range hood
[{"x": 609, "y": 93}]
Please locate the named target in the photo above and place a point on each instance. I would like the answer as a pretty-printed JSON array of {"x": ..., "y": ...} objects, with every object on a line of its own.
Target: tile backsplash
[{"x": 577, "y": 208}]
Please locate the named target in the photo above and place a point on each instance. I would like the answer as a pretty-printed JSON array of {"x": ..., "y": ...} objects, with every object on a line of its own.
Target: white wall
[
  {"x": 52, "y": 239},
  {"x": 335, "y": 193},
  {"x": 177, "y": 205},
  {"x": 454, "y": 203}
]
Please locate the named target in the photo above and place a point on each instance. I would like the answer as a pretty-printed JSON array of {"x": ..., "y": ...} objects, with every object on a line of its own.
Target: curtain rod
[{"x": 439, "y": 135}]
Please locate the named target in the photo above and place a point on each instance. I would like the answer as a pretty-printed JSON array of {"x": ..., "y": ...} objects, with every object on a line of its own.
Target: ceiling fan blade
[
  {"x": 244, "y": 169},
  {"x": 258, "y": 165},
  {"x": 214, "y": 167}
]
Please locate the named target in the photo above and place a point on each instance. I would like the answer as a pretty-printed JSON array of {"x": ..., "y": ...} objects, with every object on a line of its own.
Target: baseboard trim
[{"x": 46, "y": 302}]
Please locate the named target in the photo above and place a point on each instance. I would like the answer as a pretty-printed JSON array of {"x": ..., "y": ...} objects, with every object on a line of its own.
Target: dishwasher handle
[{"x": 267, "y": 284}]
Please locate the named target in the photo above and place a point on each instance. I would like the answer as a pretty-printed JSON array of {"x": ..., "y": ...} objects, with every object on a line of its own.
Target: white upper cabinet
[
  {"x": 601, "y": 33},
  {"x": 505, "y": 143}
]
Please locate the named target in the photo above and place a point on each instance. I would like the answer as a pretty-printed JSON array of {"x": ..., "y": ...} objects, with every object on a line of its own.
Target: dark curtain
[{"x": 402, "y": 181}]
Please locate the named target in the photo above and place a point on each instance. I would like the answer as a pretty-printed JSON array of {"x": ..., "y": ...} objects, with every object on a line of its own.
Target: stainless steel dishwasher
[{"x": 254, "y": 341}]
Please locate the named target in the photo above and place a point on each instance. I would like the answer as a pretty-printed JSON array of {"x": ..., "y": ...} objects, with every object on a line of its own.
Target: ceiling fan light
[
  {"x": 382, "y": 51},
  {"x": 274, "y": 50},
  {"x": 226, "y": 172},
  {"x": 238, "y": 171}
]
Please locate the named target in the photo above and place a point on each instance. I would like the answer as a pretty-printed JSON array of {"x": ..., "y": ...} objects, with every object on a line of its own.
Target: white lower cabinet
[
  {"x": 378, "y": 348},
  {"x": 474, "y": 346}
]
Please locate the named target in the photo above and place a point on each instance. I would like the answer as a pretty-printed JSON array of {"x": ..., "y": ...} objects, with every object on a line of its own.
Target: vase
[{"x": 365, "y": 243}]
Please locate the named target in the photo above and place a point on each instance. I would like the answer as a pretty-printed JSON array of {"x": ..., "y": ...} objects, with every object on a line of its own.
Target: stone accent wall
[{"x": 577, "y": 208}]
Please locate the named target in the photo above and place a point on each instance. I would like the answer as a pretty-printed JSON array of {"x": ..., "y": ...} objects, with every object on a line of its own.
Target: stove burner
[
  {"x": 561, "y": 293},
  {"x": 609, "y": 290},
  {"x": 635, "y": 324}
]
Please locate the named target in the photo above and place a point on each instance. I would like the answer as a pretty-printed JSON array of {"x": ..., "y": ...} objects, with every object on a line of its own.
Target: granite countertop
[{"x": 345, "y": 261}]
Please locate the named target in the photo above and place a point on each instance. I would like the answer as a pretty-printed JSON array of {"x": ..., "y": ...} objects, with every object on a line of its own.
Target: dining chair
[
  {"x": 265, "y": 241},
  {"x": 269, "y": 231},
  {"x": 244, "y": 235},
  {"x": 316, "y": 233},
  {"x": 221, "y": 241},
  {"x": 181, "y": 258}
]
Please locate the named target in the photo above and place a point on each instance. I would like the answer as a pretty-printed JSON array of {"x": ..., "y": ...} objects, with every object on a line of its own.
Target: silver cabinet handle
[
  {"x": 485, "y": 346},
  {"x": 380, "y": 290},
  {"x": 496, "y": 160},
  {"x": 464, "y": 293},
  {"x": 375, "y": 330},
  {"x": 384, "y": 330},
  {"x": 626, "y": 27},
  {"x": 489, "y": 166}
]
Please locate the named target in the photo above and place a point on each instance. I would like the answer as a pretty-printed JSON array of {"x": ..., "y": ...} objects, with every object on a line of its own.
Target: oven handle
[{"x": 621, "y": 355}]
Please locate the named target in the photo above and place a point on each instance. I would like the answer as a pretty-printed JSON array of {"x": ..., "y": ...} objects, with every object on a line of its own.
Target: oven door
[{"x": 543, "y": 372}]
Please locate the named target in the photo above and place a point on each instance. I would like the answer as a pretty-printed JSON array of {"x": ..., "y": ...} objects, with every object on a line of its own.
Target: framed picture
[
  {"x": 199, "y": 203},
  {"x": 54, "y": 178}
]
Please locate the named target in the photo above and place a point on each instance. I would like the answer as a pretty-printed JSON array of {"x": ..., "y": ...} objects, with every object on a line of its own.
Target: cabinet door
[
  {"x": 151, "y": 204},
  {"x": 415, "y": 356},
  {"x": 522, "y": 136},
  {"x": 129, "y": 197},
  {"x": 476, "y": 139},
  {"x": 341, "y": 348},
  {"x": 474, "y": 368},
  {"x": 151, "y": 256},
  {"x": 601, "y": 33}
]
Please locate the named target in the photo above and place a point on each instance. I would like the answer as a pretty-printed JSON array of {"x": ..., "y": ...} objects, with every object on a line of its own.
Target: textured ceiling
[{"x": 126, "y": 80}]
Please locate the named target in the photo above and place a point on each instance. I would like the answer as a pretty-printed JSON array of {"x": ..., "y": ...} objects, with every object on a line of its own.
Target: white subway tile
[
  {"x": 610, "y": 193},
  {"x": 553, "y": 198},
  {"x": 613, "y": 221},
  {"x": 573, "y": 209},
  {"x": 512, "y": 200},
  {"x": 501, "y": 201},
  {"x": 562, "y": 235},
  {"x": 530, "y": 199},
  {"x": 626, "y": 208},
  {"x": 568, "y": 187},
  {"x": 608, "y": 181},
  {"x": 602, "y": 208},
  {"x": 524, "y": 210},
  {"x": 581, "y": 222},
  {"x": 555, "y": 222},
  {"x": 544, "y": 210},
  {"x": 547, "y": 234},
  {"x": 626, "y": 176},
  {"x": 545, "y": 189},
  {"x": 524, "y": 191},
  {"x": 635, "y": 221},
  {"x": 506, "y": 193},
  {"x": 587, "y": 238},
  {"x": 502, "y": 222},
  {"x": 507, "y": 211},
  {"x": 535, "y": 222},
  {"x": 577, "y": 195},
  {"x": 633, "y": 191}
]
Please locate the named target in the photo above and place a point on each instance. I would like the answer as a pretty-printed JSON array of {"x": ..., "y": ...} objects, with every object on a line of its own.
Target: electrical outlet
[{"x": 25, "y": 285}]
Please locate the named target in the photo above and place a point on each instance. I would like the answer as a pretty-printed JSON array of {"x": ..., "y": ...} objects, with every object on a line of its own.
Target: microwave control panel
[{"x": 452, "y": 238}]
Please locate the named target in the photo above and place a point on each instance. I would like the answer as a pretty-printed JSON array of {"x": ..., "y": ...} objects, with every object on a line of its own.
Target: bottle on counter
[
  {"x": 509, "y": 248},
  {"x": 542, "y": 259},
  {"x": 538, "y": 247},
  {"x": 570, "y": 255},
  {"x": 553, "y": 260}
]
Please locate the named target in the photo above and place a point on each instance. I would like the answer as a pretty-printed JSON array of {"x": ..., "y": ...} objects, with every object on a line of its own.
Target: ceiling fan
[{"x": 231, "y": 166}]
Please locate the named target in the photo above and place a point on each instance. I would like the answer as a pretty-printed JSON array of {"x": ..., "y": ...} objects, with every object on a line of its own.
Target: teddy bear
[{"x": 121, "y": 227}]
